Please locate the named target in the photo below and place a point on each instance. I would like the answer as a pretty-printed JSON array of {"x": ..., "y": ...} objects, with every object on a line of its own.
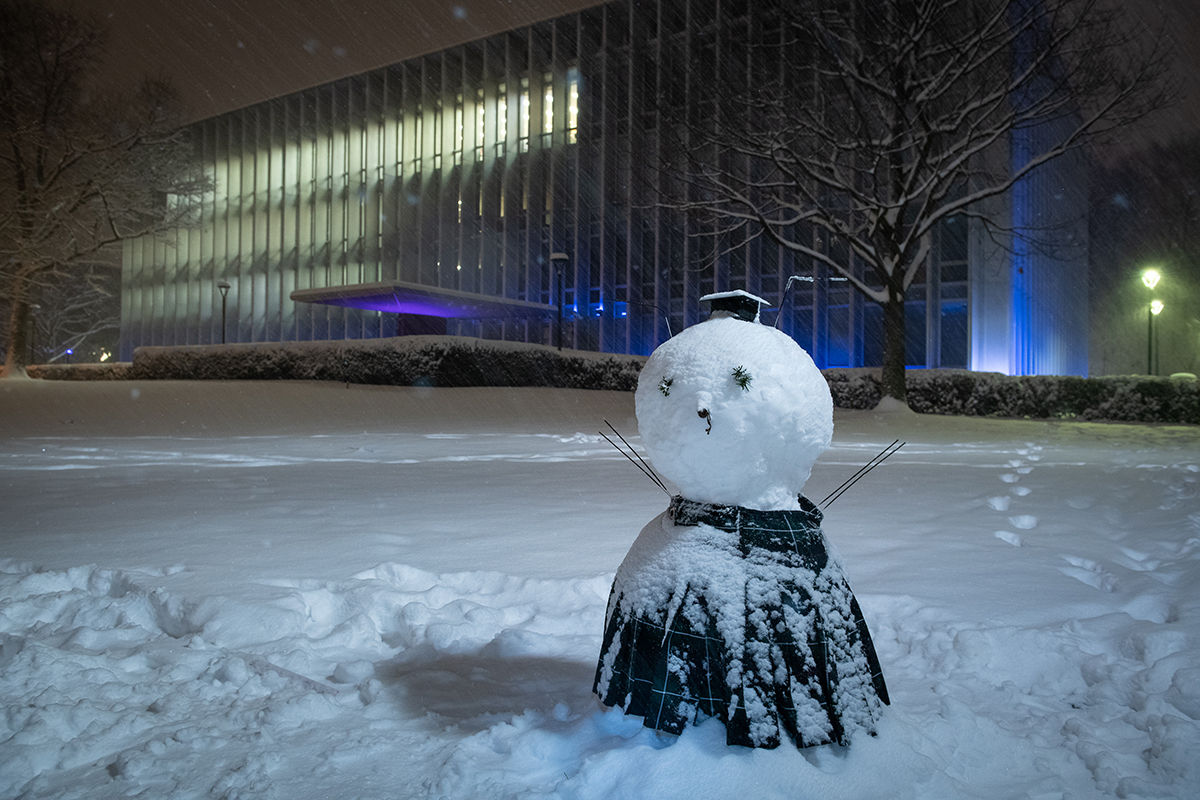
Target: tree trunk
[
  {"x": 893, "y": 347},
  {"x": 17, "y": 356}
]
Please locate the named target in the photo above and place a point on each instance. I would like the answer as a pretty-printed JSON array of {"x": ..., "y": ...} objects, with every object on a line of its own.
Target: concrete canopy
[{"x": 398, "y": 297}]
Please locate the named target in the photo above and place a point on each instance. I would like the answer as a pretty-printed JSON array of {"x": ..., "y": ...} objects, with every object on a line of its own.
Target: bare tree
[
  {"x": 79, "y": 171},
  {"x": 76, "y": 319},
  {"x": 852, "y": 129}
]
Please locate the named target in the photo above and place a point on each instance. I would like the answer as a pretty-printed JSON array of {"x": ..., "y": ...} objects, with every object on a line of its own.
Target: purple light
[
  {"x": 397, "y": 298},
  {"x": 391, "y": 305}
]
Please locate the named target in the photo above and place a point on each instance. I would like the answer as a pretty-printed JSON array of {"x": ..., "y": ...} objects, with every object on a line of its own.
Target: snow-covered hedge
[
  {"x": 1127, "y": 398},
  {"x": 854, "y": 388},
  {"x": 401, "y": 361},
  {"x": 110, "y": 371},
  {"x": 463, "y": 361}
]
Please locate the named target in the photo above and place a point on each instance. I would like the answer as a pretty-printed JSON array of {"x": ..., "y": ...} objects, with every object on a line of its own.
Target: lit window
[
  {"x": 523, "y": 122},
  {"x": 501, "y": 114},
  {"x": 548, "y": 110},
  {"x": 572, "y": 106},
  {"x": 479, "y": 119},
  {"x": 418, "y": 138},
  {"x": 399, "y": 142},
  {"x": 458, "y": 123},
  {"x": 437, "y": 130}
]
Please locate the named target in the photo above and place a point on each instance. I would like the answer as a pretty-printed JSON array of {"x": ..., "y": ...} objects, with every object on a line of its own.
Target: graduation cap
[{"x": 737, "y": 303}]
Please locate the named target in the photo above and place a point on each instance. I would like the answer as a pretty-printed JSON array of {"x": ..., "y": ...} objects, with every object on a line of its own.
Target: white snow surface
[
  {"x": 734, "y": 412},
  {"x": 302, "y": 590}
]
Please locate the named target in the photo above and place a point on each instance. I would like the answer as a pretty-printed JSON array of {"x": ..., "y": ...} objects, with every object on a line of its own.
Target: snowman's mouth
[{"x": 703, "y": 414}]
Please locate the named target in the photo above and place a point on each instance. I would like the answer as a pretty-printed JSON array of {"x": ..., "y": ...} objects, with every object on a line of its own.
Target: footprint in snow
[
  {"x": 1088, "y": 572},
  {"x": 999, "y": 503},
  {"x": 1138, "y": 561},
  {"x": 1024, "y": 522}
]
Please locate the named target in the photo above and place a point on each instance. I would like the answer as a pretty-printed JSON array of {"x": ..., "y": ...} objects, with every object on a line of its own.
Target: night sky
[{"x": 225, "y": 54}]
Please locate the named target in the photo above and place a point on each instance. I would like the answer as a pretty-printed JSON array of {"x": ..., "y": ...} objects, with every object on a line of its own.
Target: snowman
[{"x": 731, "y": 603}]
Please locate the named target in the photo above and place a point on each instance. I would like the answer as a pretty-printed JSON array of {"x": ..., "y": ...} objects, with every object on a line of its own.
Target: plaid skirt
[{"x": 744, "y": 615}]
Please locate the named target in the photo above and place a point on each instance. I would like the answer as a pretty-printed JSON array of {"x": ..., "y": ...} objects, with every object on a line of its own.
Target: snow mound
[{"x": 477, "y": 685}]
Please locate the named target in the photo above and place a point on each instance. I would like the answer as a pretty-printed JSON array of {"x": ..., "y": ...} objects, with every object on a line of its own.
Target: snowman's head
[{"x": 734, "y": 412}]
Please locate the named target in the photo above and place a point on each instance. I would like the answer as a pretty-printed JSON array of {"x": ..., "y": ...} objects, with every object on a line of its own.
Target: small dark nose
[{"x": 703, "y": 414}]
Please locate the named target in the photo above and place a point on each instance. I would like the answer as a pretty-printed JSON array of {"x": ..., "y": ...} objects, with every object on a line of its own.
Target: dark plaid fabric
[{"x": 804, "y": 663}]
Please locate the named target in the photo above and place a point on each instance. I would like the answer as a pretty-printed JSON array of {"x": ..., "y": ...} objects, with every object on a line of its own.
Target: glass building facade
[{"x": 526, "y": 169}]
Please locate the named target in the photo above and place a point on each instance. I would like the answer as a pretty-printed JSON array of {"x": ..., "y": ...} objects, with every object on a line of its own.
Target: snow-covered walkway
[{"x": 301, "y": 590}]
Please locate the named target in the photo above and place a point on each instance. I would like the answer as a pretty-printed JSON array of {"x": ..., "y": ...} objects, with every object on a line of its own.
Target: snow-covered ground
[{"x": 302, "y": 590}]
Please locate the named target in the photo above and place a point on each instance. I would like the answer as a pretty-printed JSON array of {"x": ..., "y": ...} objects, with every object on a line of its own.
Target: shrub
[
  {"x": 1120, "y": 398},
  {"x": 854, "y": 388},
  {"x": 109, "y": 371},
  {"x": 463, "y": 361},
  {"x": 402, "y": 361}
]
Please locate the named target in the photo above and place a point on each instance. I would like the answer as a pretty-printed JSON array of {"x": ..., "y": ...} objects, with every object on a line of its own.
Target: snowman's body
[{"x": 731, "y": 604}]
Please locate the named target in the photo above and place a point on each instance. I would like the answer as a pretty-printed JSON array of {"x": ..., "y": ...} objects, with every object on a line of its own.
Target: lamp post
[
  {"x": 558, "y": 260},
  {"x": 1150, "y": 279},
  {"x": 223, "y": 288},
  {"x": 1156, "y": 308}
]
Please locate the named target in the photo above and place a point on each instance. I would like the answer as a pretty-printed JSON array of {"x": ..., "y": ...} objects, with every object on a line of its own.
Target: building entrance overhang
[{"x": 398, "y": 297}]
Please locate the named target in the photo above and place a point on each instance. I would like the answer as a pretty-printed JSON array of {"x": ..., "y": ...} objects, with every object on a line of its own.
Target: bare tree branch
[
  {"x": 79, "y": 170},
  {"x": 874, "y": 123}
]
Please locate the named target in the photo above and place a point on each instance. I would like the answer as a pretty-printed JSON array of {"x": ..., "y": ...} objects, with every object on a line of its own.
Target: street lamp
[
  {"x": 558, "y": 260},
  {"x": 1156, "y": 308},
  {"x": 223, "y": 288},
  {"x": 1150, "y": 279}
]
